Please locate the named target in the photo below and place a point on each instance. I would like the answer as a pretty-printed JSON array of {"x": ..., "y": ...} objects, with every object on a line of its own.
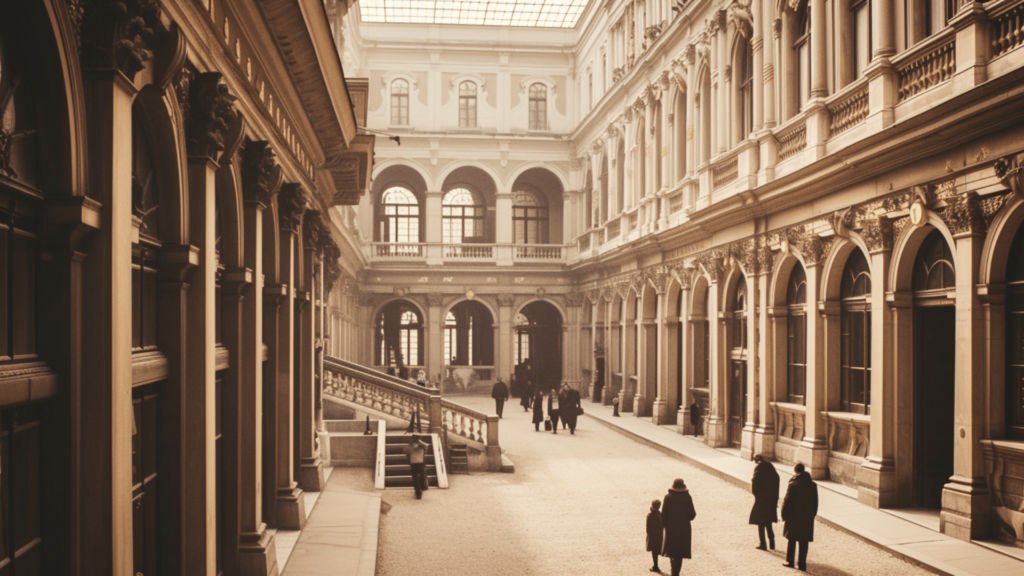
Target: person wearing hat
[
  {"x": 500, "y": 393},
  {"x": 676, "y": 514},
  {"x": 798, "y": 511}
]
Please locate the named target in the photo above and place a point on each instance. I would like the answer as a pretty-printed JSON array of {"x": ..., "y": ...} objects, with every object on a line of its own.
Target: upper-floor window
[
  {"x": 462, "y": 216},
  {"x": 802, "y": 53},
  {"x": 937, "y": 13},
  {"x": 467, "y": 105},
  {"x": 401, "y": 222},
  {"x": 529, "y": 219},
  {"x": 538, "y": 107},
  {"x": 745, "y": 79},
  {"x": 590, "y": 90},
  {"x": 861, "y": 35},
  {"x": 400, "y": 102}
]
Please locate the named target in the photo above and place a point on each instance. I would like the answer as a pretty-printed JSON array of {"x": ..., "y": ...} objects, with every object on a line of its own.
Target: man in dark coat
[
  {"x": 500, "y": 393},
  {"x": 765, "y": 486},
  {"x": 676, "y": 514},
  {"x": 571, "y": 407},
  {"x": 798, "y": 512},
  {"x": 538, "y": 411},
  {"x": 695, "y": 418}
]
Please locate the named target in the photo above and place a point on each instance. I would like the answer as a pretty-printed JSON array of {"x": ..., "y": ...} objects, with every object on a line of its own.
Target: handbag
[
  {"x": 579, "y": 409},
  {"x": 547, "y": 424}
]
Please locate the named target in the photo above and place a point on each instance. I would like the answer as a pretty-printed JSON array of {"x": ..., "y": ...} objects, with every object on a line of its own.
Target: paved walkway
[
  {"x": 893, "y": 530},
  {"x": 576, "y": 505}
]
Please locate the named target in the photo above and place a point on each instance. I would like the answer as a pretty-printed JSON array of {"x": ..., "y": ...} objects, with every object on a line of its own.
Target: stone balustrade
[
  {"x": 848, "y": 110},
  {"x": 792, "y": 140},
  {"x": 1009, "y": 28},
  {"x": 928, "y": 66}
]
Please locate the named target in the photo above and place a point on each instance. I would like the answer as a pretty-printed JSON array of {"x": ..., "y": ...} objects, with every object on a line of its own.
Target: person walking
[
  {"x": 571, "y": 404},
  {"x": 676, "y": 514},
  {"x": 527, "y": 397},
  {"x": 765, "y": 486},
  {"x": 538, "y": 411},
  {"x": 415, "y": 451},
  {"x": 553, "y": 411},
  {"x": 500, "y": 393},
  {"x": 655, "y": 531},
  {"x": 695, "y": 418},
  {"x": 798, "y": 511}
]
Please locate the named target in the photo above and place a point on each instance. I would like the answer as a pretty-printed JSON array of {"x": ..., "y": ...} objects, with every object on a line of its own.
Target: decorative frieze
[
  {"x": 210, "y": 112},
  {"x": 877, "y": 234},
  {"x": 965, "y": 215}
]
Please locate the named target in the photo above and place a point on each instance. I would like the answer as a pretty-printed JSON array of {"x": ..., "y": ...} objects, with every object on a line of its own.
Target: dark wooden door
[
  {"x": 934, "y": 392},
  {"x": 145, "y": 496},
  {"x": 737, "y": 401},
  {"x": 20, "y": 481}
]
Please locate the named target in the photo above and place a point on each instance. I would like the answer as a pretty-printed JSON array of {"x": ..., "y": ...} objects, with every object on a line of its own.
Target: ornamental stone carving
[
  {"x": 291, "y": 203},
  {"x": 210, "y": 111},
  {"x": 182, "y": 87},
  {"x": 261, "y": 176},
  {"x": 435, "y": 299},
  {"x": 506, "y": 299},
  {"x": 315, "y": 233},
  {"x": 965, "y": 215},
  {"x": 877, "y": 234},
  {"x": 841, "y": 222},
  {"x": 713, "y": 263},
  {"x": 117, "y": 34},
  {"x": 573, "y": 299},
  {"x": 1010, "y": 171}
]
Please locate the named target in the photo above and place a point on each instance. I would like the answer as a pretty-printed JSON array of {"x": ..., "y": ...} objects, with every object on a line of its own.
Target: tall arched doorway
[
  {"x": 738, "y": 364},
  {"x": 398, "y": 339},
  {"x": 1015, "y": 339},
  {"x": 538, "y": 342},
  {"x": 933, "y": 282}
]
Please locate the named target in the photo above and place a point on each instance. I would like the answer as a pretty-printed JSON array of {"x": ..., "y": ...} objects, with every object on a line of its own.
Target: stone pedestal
[
  {"x": 291, "y": 508},
  {"x": 966, "y": 508},
  {"x": 257, "y": 554},
  {"x": 876, "y": 483}
]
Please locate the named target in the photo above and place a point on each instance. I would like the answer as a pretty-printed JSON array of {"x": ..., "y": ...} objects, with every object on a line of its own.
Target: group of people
[
  {"x": 564, "y": 405},
  {"x": 668, "y": 522}
]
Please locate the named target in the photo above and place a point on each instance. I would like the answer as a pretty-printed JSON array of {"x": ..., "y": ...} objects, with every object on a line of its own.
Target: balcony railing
[
  {"x": 468, "y": 251},
  {"x": 539, "y": 252},
  {"x": 933, "y": 64},
  {"x": 401, "y": 250},
  {"x": 1010, "y": 30},
  {"x": 438, "y": 253},
  {"x": 848, "y": 109}
]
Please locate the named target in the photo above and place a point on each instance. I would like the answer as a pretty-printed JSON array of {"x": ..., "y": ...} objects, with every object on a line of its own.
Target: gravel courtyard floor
[{"x": 577, "y": 505}]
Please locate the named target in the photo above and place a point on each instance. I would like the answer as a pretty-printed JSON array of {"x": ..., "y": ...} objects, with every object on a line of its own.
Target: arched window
[
  {"x": 399, "y": 337},
  {"x": 603, "y": 180},
  {"x": 401, "y": 222},
  {"x": 658, "y": 143},
  {"x": 737, "y": 391},
  {"x": 450, "y": 330},
  {"x": 529, "y": 218},
  {"x": 744, "y": 90},
  {"x": 462, "y": 217},
  {"x": 467, "y": 105},
  {"x": 796, "y": 341},
  {"x": 679, "y": 119},
  {"x": 620, "y": 176},
  {"x": 933, "y": 269},
  {"x": 400, "y": 102},
  {"x": 590, "y": 90},
  {"x": 1015, "y": 339},
  {"x": 409, "y": 337},
  {"x": 702, "y": 102},
  {"x": 802, "y": 54},
  {"x": 539, "y": 106},
  {"x": 855, "y": 329},
  {"x": 639, "y": 183},
  {"x": 588, "y": 199}
]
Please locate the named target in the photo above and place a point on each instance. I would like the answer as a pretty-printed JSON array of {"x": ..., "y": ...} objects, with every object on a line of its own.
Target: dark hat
[{"x": 678, "y": 485}]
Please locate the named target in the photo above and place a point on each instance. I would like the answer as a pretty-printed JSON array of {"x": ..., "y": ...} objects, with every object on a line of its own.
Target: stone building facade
[
  {"x": 804, "y": 216},
  {"x": 170, "y": 180}
]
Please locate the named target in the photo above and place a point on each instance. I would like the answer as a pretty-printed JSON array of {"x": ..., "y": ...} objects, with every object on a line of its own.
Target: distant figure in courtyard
[
  {"x": 654, "y": 533},
  {"x": 538, "y": 410},
  {"x": 500, "y": 393},
  {"x": 571, "y": 405},
  {"x": 765, "y": 486},
  {"x": 421, "y": 378},
  {"x": 695, "y": 418},
  {"x": 554, "y": 411},
  {"x": 513, "y": 387},
  {"x": 615, "y": 406},
  {"x": 676, "y": 514},
  {"x": 415, "y": 451},
  {"x": 798, "y": 512},
  {"x": 527, "y": 396}
]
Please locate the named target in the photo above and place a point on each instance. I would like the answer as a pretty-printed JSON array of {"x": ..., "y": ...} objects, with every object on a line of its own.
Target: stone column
[
  {"x": 814, "y": 448},
  {"x": 630, "y": 332},
  {"x": 966, "y": 503},
  {"x": 877, "y": 477},
  {"x": 432, "y": 223},
  {"x": 691, "y": 119},
  {"x": 720, "y": 84},
  {"x": 289, "y": 500},
  {"x": 310, "y": 468},
  {"x": 716, "y": 427},
  {"x": 234, "y": 284},
  {"x": 764, "y": 423},
  {"x": 504, "y": 337},
  {"x": 752, "y": 416},
  {"x": 882, "y": 77},
  {"x": 687, "y": 358},
  {"x": 819, "y": 53},
  {"x": 102, "y": 426},
  {"x": 663, "y": 410},
  {"x": 435, "y": 338},
  {"x": 759, "y": 57},
  {"x": 261, "y": 180},
  {"x": 503, "y": 218}
]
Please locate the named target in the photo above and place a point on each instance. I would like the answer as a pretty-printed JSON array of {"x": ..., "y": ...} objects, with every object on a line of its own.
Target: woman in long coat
[
  {"x": 538, "y": 411},
  {"x": 765, "y": 486},
  {"x": 676, "y": 514}
]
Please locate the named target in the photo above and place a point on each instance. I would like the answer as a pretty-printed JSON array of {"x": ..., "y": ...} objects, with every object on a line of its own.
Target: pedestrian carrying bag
[{"x": 547, "y": 424}]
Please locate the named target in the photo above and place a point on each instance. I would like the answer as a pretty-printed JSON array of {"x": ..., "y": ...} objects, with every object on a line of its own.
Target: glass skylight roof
[{"x": 541, "y": 13}]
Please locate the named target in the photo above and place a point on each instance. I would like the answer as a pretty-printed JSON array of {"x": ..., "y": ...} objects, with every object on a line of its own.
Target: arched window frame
[
  {"x": 802, "y": 53},
  {"x": 934, "y": 267},
  {"x": 468, "y": 91},
  {"x": 855, "y": 335},
  {"x": 400, "y": 221},
  {"x": 744, "y": 75},
  {"x": 400, "y": 102},
  {"x": 529, "y": 218},
  {"x": 461, "y": 219},
  {"x": 1015, "y": 338},
  {"x": 796, "y": 336},
  {"x": 538, "y": 95}
]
